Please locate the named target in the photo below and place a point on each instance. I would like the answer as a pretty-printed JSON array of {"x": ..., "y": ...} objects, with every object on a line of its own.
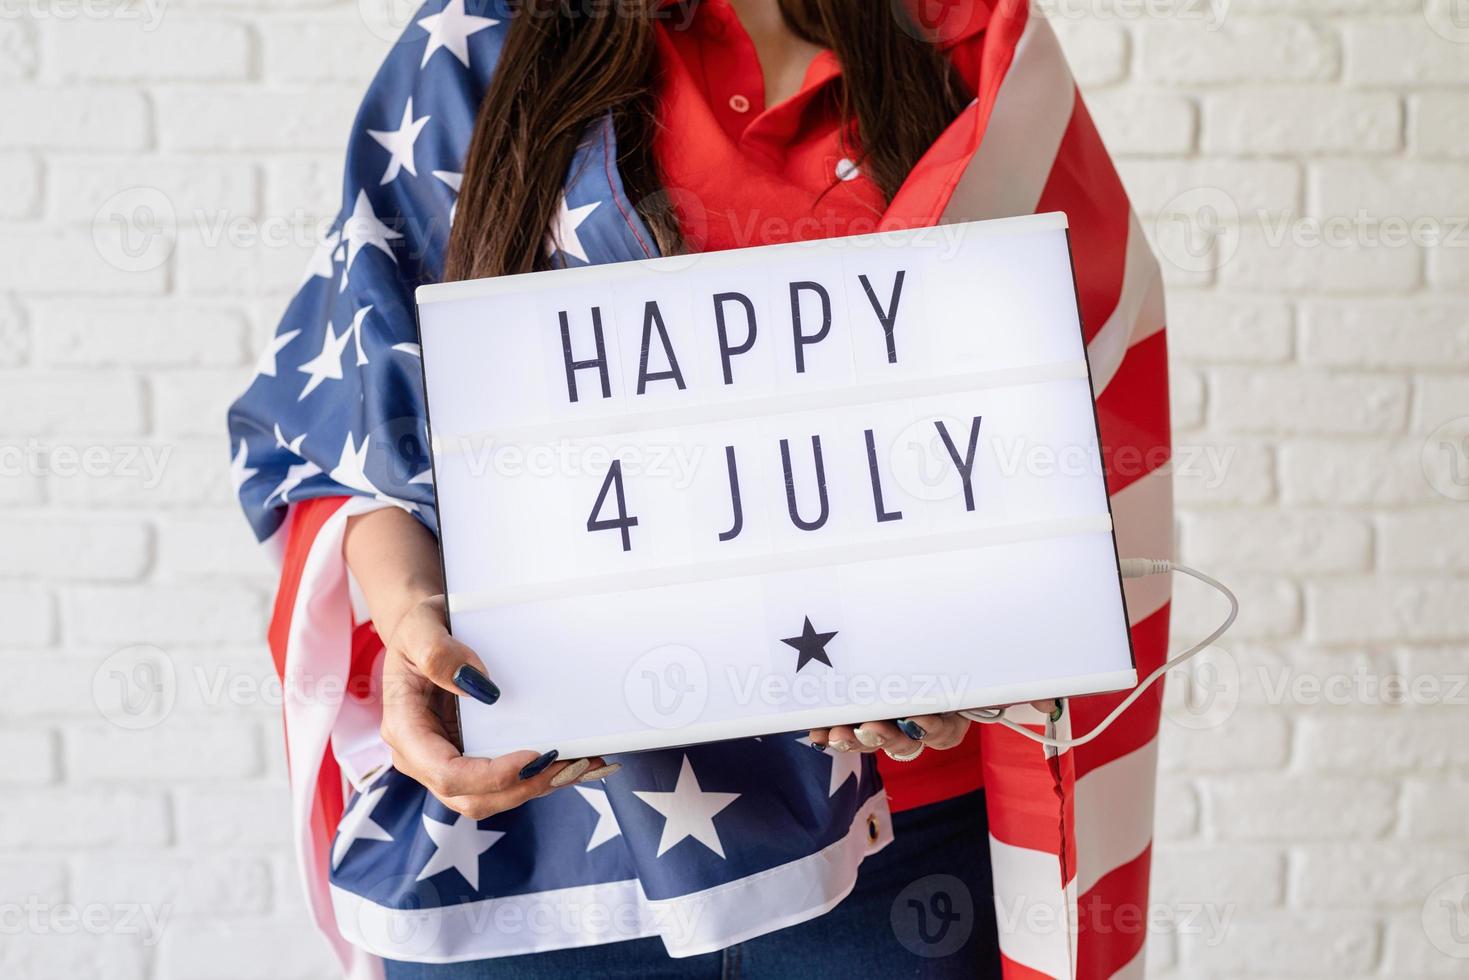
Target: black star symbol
[{"x": 811, "y": 644}]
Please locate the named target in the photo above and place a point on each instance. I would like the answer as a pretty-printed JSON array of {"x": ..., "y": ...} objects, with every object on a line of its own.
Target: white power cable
[{"x": 1131, "y": 568}]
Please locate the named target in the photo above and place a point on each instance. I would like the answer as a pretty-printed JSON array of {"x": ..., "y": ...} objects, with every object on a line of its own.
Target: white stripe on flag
[
  {"x": 1135, "y": 968},
  {"x": 1114, "y": 814},
  {"x": 1031, "y": 908},
  {"x": 1142, "y": 516},
  {"x": 1032, "y": 110},
  {"x": 1138, "y": 314}
]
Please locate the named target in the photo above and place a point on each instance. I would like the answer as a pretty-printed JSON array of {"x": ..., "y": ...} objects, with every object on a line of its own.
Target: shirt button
[
  {"x": 739, "y": 103},
  {"x": 847, "y": 169}
]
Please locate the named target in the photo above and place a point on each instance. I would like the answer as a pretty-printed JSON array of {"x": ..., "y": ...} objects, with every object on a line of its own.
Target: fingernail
[
  {"x": 538, "y": 765},
  {"x": 1057, "y": 711},
  {"x": 571, "y": 772},
  {"x": 910, "y": 728},
  {"x": 601, "y": 773},
  {"x": 841, "y": 745},
  {"x": 869, "y": 738},
  {"x": 472, "y": 681}
]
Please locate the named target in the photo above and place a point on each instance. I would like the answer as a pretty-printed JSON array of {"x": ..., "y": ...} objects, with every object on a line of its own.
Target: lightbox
[{"x": 768, "y": 489}]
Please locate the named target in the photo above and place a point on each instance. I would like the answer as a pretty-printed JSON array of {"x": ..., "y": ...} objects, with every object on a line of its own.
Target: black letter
[
  {"x": 802, "y": 339},
  {"x": 785, "y": 461},
  {"x": 726, "y": 351},
  {"x": 882, "y": 515},
  {"x": 653, "y": 318},
  {"x": 889, "y": 316},
  {"x": 734, "y": 497},
  {"x": 599, "y": 362},
  {"x": 622, "y": 522},
  {"x": 966, "y": 465}
]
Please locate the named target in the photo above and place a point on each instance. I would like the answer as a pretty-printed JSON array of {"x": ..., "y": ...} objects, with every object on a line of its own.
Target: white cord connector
[{"x": 1131, "y": 568}]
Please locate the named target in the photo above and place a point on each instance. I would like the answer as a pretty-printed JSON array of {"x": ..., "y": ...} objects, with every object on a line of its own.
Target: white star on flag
[
  {"x": 457, "y": 845},
  {"x": 454, "y": 182},
  {"x": 688, "y": 811},
  {"x": 450, "y": 30},
  {"x": 399, "y": 143},
  {"x": 296, "y": 474},
  {"x": 562, "y": 237},
  {"x": 606, "y": 828},
  {"x": 266, "y": 364},
  {"x": 357, "y": 824},
  {"x": 239, "y": 472},
  {"x": 363, "y": 229},
  {"x": 843, "y": 766},
  {"x": 351, "y": 468},
  {"x": 327, "y": 364},
  {"x": 321, "y": 265},
  {"x": 292, "y": 446},
  {"x": 356, "y": 329}
]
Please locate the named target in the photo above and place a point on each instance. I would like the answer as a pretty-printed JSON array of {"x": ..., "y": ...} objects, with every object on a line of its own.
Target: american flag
[{"x": 716, "y": 843}]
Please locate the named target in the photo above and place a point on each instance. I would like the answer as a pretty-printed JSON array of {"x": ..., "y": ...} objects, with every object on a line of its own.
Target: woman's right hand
[{"x": 419, "y": 725}]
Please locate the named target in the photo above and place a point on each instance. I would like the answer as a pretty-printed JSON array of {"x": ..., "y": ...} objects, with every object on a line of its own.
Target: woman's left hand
[{"x": 905, "y": 738}]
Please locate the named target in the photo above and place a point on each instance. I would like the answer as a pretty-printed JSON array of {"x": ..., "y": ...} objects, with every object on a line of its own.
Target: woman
[{"x": 559, "y": 134}]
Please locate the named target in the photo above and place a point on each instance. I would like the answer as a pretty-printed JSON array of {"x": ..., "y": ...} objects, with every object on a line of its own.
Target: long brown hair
[{"x": 567, "y": 63}]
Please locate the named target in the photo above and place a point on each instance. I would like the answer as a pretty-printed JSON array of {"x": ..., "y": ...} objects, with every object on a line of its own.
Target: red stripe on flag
[
  {"x": 1019, "y": 971},
  {"x": 1133, "y": 415},
  {"x": 307, "y": 519},
  {"x": 1138, "y": 724},
  {"x": 1112, "y": 919},
  {"x": 1084, "y": 184}
]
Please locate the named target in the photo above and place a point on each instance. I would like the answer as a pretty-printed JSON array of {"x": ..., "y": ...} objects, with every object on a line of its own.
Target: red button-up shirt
[{"x": 742, "y": 173}]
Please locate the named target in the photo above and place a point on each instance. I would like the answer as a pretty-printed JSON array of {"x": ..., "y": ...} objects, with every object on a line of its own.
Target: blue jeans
[{"x": 922, "y": 907}]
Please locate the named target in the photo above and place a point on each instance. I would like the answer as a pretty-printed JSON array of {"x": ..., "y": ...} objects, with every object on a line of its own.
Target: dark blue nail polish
[
  {"x": 538, "y": 765},
  {"x": 472, "y": 681},
  {"x": 910, "y": 728}
]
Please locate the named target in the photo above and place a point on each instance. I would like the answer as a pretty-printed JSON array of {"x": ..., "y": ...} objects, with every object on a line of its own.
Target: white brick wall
[{"x": 1315, "y": 808}]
